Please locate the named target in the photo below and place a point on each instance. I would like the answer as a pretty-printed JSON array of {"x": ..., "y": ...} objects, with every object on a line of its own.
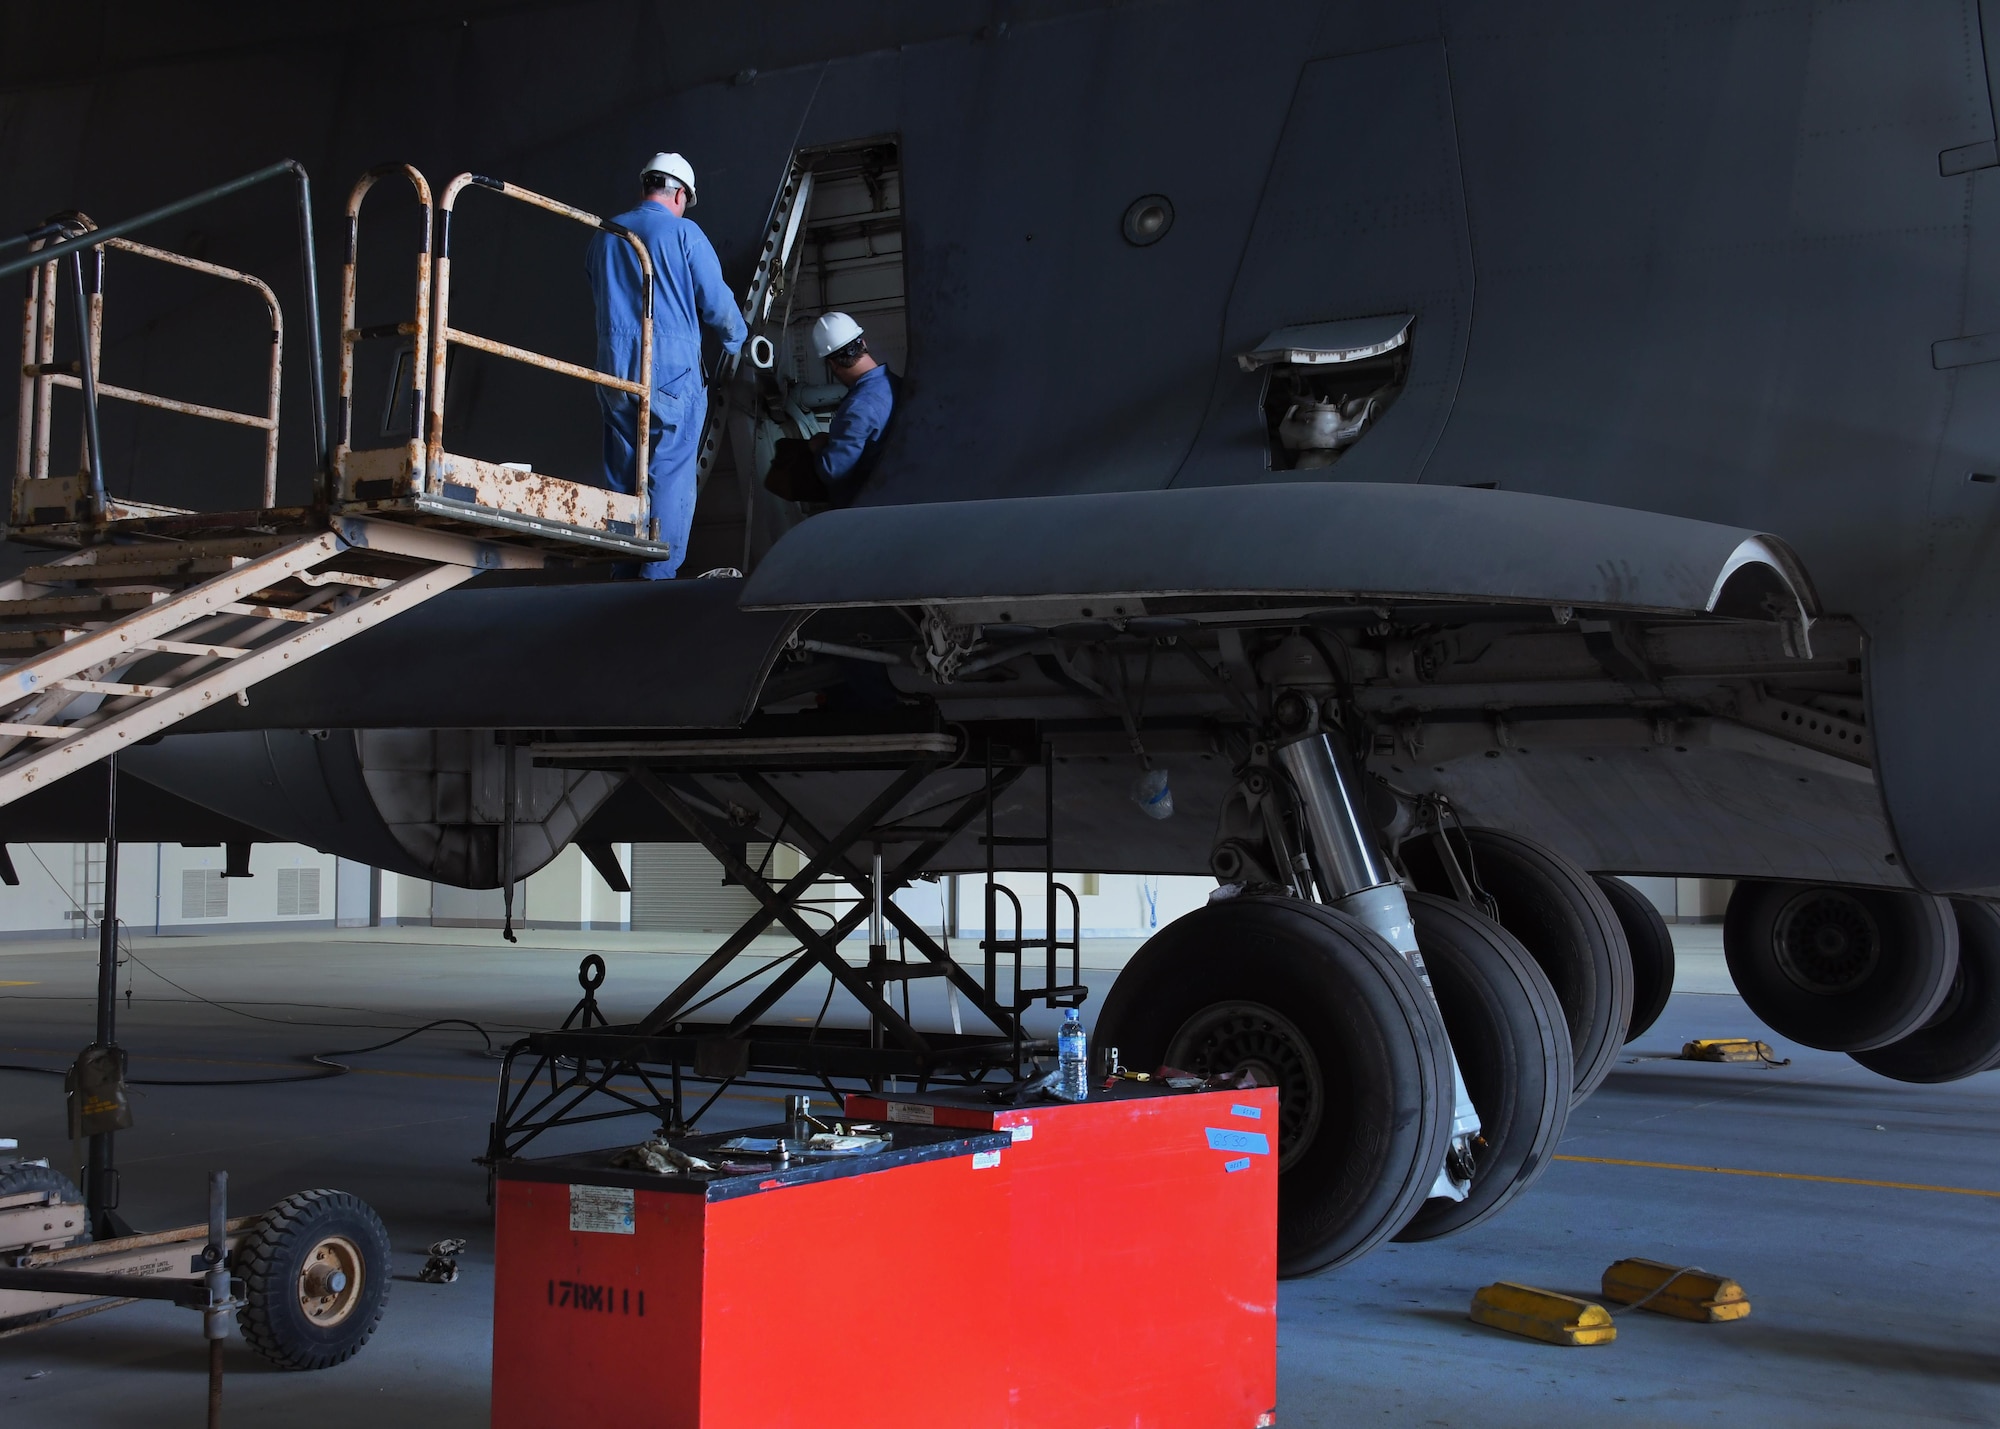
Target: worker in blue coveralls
[
  {"x": 843, "y": 457},
  {"x": 688, "y": 294}
]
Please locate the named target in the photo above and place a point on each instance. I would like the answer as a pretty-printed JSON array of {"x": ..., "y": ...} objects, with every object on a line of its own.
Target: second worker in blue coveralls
[
  {"x": 844, "y": 457},
  {"x": 688, "y": 294}
]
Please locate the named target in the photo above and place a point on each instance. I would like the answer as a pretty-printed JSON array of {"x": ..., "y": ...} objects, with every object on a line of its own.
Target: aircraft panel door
[{"x": 1362, "y": 215}]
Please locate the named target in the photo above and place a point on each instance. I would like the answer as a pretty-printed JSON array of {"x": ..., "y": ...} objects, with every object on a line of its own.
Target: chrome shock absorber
[{"x": 1354, "y": 875}]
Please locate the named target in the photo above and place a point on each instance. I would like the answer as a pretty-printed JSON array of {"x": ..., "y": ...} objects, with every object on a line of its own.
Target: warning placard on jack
[{"x": 606, "y": 1210}]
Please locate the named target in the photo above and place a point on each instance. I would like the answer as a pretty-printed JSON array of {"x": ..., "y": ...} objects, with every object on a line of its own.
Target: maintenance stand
[
  {"x": 590, "y": 1070},
  {"x": 144, "y": 615}
]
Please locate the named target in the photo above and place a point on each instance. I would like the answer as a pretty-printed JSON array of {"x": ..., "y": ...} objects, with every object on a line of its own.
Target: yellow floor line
[{"x": 1784, "y": 1176}]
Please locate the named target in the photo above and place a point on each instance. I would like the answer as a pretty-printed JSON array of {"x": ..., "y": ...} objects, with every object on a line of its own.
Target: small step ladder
[
  {"x": 115, "y": 643},
  {"x": 1052, "y": 944}
]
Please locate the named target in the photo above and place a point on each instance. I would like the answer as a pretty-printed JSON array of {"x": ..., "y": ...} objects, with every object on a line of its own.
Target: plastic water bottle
[{"x": 1072, "y": 1060}]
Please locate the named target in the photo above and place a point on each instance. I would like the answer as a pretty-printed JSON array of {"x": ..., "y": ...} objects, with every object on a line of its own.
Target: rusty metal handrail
[
  {"x": 443, "y": 334},
  {"x": 418, "y": 330},
  {"x": 69, "y": 242},
  {"x": 41, "y": 373},
  {"x": 34, "y": 427},
  {"x": 38, "y": 341}
]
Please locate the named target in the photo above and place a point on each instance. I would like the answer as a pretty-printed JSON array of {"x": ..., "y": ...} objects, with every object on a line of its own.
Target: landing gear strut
[
  {"x": 1355, "y": 877},
  {"x": 1508, "y": 1035},
  {"x": 1311, "y": 979}
]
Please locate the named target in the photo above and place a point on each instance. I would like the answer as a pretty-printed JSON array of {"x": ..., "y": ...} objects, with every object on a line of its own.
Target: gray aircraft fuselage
[{"x": 1689, "y": 259}]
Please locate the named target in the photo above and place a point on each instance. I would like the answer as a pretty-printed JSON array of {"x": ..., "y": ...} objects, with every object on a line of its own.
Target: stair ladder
[
  {"x": 121, "y": 642},
  {"x": 159, "y": 613}
]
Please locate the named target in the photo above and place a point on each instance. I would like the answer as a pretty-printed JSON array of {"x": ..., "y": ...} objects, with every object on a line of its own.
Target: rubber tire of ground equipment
[
  {"x": 1904, "y": 991},
  {"x": 1512, "y": 1043},
  {"x": 1963, "y": 1035},
  {"x": 19, "y": 1179},
  {"x": 1381, "y": 1050},
  {"x": 1652, "y": 949},
  {"x": 1564, "y": 921},
  {"x": 270, "y": 1258}
]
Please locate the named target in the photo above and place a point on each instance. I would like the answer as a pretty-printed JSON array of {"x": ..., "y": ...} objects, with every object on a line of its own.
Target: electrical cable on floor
[
  {"x": 326, "y": 1067},
  {"x": 235, "y": 1011}
]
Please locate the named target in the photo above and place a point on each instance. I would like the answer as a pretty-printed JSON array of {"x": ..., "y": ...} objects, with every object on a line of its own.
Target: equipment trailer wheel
[
  {"x": 1963, "y": 1035},
  {"x": 315, "y": 1270},
  {"x": 21, "y": 1179},
  {"x": 1308, "y": 1000},
  {"x": 1507, "y": 1028},
  {"x": 1841, "y": 969},
  {"x": 1563, "y": 919},
  {"x": 1652, "y": 948}
]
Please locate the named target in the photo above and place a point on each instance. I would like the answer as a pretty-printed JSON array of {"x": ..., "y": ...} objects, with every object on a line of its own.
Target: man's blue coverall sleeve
[{"x": 713, "y": 300}]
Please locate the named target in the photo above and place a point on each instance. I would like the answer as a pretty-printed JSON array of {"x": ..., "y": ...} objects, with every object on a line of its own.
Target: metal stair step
[
  {"x": 120, "y": 602},
  {"x": 244, "y": 546},
  {"x": 170, "y": 568},
  {"x": 28, "y": 642}
]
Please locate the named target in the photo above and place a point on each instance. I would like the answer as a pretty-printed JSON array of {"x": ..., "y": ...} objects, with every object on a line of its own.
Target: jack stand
[
  {"x": 221, "y": 1303},
  {"x": 101, "y": 1173},
  {"x": 878, "y": 946},
  {"x": 1355, "y": 877}
]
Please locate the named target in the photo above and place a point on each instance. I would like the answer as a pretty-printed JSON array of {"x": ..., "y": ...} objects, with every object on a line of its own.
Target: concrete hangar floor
[{"x": 1871, "y": 1300}]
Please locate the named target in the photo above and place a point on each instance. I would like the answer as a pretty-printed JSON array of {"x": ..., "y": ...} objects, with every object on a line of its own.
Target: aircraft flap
[{"x": 1318, "y": 539}]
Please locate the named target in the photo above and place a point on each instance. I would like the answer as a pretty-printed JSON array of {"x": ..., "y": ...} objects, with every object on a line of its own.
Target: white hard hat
[
  {"x": 675, "y": 168},
  {"x": 833, "y": 332}
]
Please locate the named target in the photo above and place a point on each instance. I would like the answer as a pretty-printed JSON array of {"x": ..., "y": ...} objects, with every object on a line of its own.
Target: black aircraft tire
[
  {"x": 1508, "y": 1030},
  {"x": 1320, "y": 1006},
  {"x": 295, "y": 1314},
  {"x": 20, "y": 1179},
  {"x": 1838, "y": 968},
  {"x": 1652, "y": 948},
  {"x": 1563, "y": 919},
  {"x": 1963, "y": 1036}
]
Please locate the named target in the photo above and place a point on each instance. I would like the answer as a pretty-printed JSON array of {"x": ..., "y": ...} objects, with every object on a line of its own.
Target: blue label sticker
[
  {"x": 1241, "y": 1163},
  {"x": 1222, "y": 1138},
  {"x": 1255, "y": 1113}
]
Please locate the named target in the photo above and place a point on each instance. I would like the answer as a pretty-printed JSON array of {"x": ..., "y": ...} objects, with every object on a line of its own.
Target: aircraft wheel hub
[
  {"x": 1231, "y": 1039},
  {"x": 1826, "y": 942}
]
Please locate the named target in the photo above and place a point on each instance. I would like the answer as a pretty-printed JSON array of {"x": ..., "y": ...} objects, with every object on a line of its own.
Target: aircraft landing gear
[
  {"x": 1305, "y": 998},
  {"x": 1840, "y": 969},
  {"x": 1652, "y": 948},
  {"x": 1513, "y": 1047},
  {"x": 1963, "y": 1035},
  {"x": 1562, "y": 918}
]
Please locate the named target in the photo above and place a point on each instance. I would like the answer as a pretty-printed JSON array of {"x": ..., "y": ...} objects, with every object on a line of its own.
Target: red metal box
[
  {"x": 1142, "y": 1263},
  {"x": 637, "y": 1299}
]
